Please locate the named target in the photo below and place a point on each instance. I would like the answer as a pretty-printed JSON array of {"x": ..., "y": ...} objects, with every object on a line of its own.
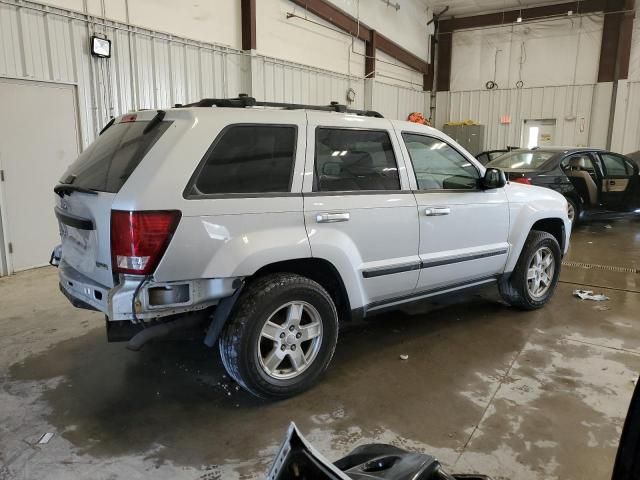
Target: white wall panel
[
  {"x": 569, "y": 49},
  {"x": 395, "y": 101},
  {"x": 634, "y": 63},
  {"x": 280, "y": 81},
  {"x": 626, "y": 130},
  {"x": 214, "y": 21},
  {"x": 573, "y": 108},
  {"x": 147, "y": 69},
  {"x": 151, "y": 69}
]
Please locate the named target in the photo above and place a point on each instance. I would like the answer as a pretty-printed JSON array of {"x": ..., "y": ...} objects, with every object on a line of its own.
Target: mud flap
[{"x": 220, "y": 316}]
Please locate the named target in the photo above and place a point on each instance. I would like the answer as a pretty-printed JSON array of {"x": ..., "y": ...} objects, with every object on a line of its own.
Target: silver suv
[{"x": 267, "y": 225}]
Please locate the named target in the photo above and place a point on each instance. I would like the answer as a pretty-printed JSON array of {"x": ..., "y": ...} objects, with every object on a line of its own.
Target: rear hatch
[{"x": 88, "y": 188}]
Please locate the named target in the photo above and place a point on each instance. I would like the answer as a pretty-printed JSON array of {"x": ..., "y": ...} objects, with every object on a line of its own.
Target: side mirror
[{"x": 494, "y": 178}]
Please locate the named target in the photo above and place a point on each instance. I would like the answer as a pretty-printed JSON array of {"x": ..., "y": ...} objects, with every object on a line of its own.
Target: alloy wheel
[
  {"x": 290, "y": 340},
  {"x": 540, "y": 272},
  {"x": 571, "y": 212}
]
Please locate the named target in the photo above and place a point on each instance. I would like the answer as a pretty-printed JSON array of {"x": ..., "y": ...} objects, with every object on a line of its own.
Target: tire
[
  {"x": 517, "y": 290},
  {"x": 573, "y": 205},
  {"x": 269, "y": 355}
]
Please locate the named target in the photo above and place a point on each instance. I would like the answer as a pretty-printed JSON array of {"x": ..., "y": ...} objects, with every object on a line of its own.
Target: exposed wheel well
[
  {"x": 553, "y": 226},
  {"x": 320, "y": 271}
]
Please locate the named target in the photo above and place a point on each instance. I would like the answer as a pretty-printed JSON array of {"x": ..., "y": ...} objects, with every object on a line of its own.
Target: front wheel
[
  {"x": 533, "y": 281},
  {"x": 282, "y": 336}
]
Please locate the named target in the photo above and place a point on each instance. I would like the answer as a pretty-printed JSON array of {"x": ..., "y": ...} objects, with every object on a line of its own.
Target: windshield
[
  {"x": 107, "y": 163},
  {"x": 521, "y": 160}
]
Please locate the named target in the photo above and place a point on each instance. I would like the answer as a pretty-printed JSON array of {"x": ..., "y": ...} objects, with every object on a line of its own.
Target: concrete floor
[{"x": 537, "y": 395}]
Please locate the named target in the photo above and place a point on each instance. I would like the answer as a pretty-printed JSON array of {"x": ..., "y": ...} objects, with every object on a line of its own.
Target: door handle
[
  {"x": 332, "y": 217},
  {"x": 612, "y": 182},
  {"x": 436, "y": 211}
]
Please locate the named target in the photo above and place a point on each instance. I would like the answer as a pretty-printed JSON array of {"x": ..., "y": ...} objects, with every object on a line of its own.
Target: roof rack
[{"x": 243, "y": 101}]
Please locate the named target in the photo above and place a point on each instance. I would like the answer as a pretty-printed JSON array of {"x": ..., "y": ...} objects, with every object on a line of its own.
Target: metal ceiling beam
[
  {"x": 615, "y": 52},
  {"x": 370, "y": 47},
  {"x": 347, "y": 23},
  {"x": 445, "y": 49},
  {"x": 529, "y": 13}
]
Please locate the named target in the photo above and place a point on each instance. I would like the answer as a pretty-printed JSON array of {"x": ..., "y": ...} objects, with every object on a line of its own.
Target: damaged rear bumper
[{"x": 153, "y": 300}]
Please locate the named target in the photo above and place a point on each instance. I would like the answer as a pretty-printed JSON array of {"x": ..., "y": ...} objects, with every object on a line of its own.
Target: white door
[
  {"x": 360, "y": 213},
  {"x": 539, "y": 133},
  {"x": 38, "y": 140},
  {"x": 463, "y": 228}
]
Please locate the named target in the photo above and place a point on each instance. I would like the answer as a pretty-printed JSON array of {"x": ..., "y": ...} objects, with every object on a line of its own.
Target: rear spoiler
[{"x": 63, "y": 189}]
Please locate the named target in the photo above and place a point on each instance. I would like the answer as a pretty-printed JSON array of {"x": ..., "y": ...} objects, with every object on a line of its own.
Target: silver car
[{"x": 268, "y": 225}]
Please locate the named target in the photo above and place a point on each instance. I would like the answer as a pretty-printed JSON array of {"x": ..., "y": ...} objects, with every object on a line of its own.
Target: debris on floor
[
  {"x": 45, "y": 438},
  {"x": 607, "y": 226},
  {"x": 404, "y": 357},
  {"x": 602, "y": 308},
  {"x": 589, "y": 295}
]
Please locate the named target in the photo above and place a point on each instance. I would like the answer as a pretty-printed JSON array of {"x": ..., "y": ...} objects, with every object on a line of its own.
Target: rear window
[
  {"x": 521, "y": 160},
  {"x": 248, "y": 159},
  {"x": 106, "y": 165}
]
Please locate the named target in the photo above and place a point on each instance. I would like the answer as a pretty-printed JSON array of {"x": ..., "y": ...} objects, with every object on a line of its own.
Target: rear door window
[
  {"x": 354, "y": 160},
  {"x": 248, "y": 159},
  {"x": 616, "y": 166},
  {"x": 109, "y": 161}
]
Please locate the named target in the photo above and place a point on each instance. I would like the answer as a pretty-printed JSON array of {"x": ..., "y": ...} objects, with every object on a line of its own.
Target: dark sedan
[{"x": 593, "y": 181}]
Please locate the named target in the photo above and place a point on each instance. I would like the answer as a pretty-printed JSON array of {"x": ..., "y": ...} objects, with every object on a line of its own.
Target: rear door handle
[
  {"x": 436, "y": 211},
  {"x": 332, "y": 217}
]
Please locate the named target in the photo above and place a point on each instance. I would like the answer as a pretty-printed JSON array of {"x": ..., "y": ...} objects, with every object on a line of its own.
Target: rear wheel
[
  {"x": 282, "y": 336},
  {"x": 533, "y": 281},
  {"x": 573, "y": 211}
]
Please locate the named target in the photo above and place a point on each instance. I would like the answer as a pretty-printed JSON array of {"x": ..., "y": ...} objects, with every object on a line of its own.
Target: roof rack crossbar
[{"x": 244, "y": 101}]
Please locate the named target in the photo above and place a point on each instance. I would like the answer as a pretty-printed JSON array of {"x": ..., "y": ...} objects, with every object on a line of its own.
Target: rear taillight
[
  {"x": 139, "y": 239},
  {"x": 523, "y": 180}
]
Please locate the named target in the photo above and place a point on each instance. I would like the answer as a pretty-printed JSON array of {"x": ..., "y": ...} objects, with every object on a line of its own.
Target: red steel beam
[
  {"x": 445, "y": 48},
  {"x": 248, "y": 23},
  {"x": 623, "y": 56},
  {"x": 370, "y": 59}
]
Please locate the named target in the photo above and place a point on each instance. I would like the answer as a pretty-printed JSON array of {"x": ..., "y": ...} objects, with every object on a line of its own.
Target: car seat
[{"x": 582, "y": 180}]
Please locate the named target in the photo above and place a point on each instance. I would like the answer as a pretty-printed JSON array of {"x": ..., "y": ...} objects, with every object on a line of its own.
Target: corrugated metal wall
[
  {"x": 573, "y": 108},
  {"x": 147, "y": 69},
  {"x": 395, "y": 101},
  {"x": 154, "y": 70},
  {"x": 277, "y": 80},
  {"x": 626, "y": 131}
]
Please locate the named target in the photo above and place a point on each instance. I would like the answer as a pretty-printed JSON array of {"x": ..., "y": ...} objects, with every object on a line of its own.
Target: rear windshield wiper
[
  {"x": 111, "y": 122},
  {"x": 155, "y": 121},
  {"x": 61, "y": 189}
]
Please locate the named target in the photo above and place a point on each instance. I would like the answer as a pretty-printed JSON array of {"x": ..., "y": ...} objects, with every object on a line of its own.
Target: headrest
[{"x": 578, "y": 162}]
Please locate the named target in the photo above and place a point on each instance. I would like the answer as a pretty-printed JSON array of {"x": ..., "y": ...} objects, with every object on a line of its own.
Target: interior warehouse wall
[
  {"x": 557, "y": 61},
  {"x": 626, "y": 130},
  {"x": 556, "y": 52},
  {"x": 151, "y": 69},
  {"x": 581, "y": 112},
  {"x": 215, "y": 21}
]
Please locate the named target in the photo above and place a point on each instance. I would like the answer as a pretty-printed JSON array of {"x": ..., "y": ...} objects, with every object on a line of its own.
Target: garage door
[{"x": 39, "y": 139}]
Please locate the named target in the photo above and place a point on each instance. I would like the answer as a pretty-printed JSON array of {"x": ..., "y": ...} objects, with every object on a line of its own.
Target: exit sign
[{"x": 505, "y": 119}]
